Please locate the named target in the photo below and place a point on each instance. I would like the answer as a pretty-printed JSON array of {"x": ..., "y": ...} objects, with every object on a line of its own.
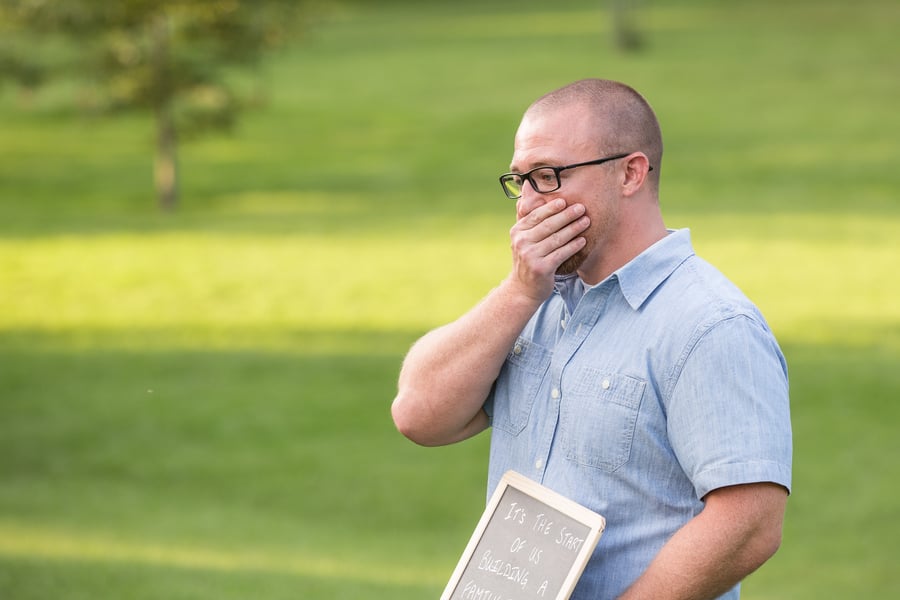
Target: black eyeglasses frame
[{"x": 556, "y": 170}]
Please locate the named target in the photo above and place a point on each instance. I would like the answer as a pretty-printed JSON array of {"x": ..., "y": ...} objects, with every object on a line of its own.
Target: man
[{"x": 614, "y": 365}]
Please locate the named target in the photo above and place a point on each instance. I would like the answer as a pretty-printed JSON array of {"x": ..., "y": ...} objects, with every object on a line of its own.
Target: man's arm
[
  {"x": 448, "y": 374},
  {"x": 737, "y": 531}
]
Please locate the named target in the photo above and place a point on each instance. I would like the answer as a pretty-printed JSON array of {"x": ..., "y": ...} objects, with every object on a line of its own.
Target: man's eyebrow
[{"x": 535, "y": 165}]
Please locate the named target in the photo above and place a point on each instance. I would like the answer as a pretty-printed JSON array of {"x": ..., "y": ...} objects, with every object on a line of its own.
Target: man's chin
[{"x": 570, "y": 265}]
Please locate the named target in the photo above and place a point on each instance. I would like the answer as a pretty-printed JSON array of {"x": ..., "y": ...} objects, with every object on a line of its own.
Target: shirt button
[
  {"x": 518, "y": 349},
  {"x": 605, "y": 384},
  {"x": 554, "y": 393},
  {"x": 563, "y": 323},
  {"x": 538, "y": 463}
]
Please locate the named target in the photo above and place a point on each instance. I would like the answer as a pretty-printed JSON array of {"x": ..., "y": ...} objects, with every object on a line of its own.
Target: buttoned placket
[{"x": 572, "y": 331}]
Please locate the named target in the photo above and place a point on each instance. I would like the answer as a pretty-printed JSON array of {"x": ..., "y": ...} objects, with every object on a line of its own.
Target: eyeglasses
[{"x": 544, "y": 179}]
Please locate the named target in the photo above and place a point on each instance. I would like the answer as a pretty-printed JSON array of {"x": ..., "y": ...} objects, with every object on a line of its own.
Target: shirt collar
[
  {"x": 645, "y": 272},
  {"x": 639, "y": 277}
]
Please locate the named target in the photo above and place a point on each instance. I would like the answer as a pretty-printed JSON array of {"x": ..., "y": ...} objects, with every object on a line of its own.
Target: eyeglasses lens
[
  {"x": 512, "y": 184},
  {"x": 544, "y": 179}
]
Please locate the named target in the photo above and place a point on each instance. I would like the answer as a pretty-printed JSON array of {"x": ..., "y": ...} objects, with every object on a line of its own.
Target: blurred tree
[{"x": 170, "y": 58}]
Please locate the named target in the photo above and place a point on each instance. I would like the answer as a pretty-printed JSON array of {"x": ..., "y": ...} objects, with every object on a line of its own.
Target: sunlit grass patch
[{"x": 806, "y": 274}]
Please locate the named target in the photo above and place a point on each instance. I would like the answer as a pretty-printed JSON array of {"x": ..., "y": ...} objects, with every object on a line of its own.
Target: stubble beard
[
  {"x": 594, "y": 238},
  {"x": 572, "y": 264}
]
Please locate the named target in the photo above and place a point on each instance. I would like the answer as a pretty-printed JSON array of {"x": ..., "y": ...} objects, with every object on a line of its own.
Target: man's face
[{"x": 564, "y": 137}]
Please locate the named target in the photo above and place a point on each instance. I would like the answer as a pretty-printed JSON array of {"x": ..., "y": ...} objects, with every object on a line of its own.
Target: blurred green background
[{"x": 196, "y": 404}]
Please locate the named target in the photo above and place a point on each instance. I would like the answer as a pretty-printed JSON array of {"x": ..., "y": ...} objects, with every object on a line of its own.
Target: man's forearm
[
  {"x": 448, "y": 374},
  {"x": 738, "y": 530}
]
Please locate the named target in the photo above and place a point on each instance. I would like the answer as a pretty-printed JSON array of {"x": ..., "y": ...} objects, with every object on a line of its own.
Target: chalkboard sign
[{"x": 530, "y": 543}]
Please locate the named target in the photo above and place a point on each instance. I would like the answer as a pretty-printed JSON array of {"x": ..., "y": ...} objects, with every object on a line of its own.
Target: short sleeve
[{"x": 728, "y": 413}]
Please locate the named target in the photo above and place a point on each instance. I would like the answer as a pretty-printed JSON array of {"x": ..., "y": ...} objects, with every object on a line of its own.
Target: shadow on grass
[
  {"x": 289, "y": 453},
  {"x": 294, "y": 451},
  {"x": 35, "y": 579}
]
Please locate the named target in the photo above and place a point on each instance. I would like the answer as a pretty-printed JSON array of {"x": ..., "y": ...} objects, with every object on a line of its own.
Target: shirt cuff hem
[{"x": 742, "y": 473}]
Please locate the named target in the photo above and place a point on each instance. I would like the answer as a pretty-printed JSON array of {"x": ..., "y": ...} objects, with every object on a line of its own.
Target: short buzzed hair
[{"x": 624, "y": 119}]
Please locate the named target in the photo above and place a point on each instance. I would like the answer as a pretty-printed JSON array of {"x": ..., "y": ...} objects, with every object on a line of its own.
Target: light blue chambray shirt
[{"x": 637, "y": 397}]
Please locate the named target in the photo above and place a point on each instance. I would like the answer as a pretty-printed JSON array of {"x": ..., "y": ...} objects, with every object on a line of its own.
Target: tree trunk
[
  {"x": 166, "y": 167},
  {"x": 625, "y": 33}
]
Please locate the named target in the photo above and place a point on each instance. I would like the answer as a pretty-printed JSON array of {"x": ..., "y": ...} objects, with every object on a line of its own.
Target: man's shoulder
[{"x": 700, "y": 287}]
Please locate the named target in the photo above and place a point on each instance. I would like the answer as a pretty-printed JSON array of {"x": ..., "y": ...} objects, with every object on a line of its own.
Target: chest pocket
[
  {"x": 518, "y": 385},
  {"x": 598, "y": 415}
]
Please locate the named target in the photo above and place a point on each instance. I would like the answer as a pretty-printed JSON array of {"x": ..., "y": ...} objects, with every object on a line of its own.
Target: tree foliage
[{"x": 170, "y": 58}]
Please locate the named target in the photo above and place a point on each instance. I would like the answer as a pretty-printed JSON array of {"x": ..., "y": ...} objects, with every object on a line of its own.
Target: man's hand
[{"x": 541, "y": 240}]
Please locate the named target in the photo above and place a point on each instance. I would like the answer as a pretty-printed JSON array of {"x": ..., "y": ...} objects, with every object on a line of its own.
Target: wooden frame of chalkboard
[{"x": 531, "y": 542}]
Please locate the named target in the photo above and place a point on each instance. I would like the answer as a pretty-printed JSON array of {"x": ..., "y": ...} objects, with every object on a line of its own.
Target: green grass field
[{"x": 196, "y": 405}]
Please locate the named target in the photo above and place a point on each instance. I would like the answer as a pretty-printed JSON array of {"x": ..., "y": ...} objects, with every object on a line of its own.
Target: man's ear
[{"x": 637, "y": 166}]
